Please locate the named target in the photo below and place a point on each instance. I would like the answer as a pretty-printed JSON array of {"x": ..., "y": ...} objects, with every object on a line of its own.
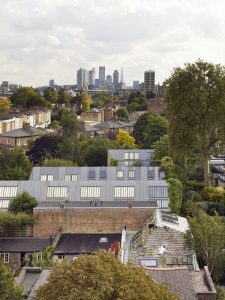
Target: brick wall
[{"x": 49, "y": 222}]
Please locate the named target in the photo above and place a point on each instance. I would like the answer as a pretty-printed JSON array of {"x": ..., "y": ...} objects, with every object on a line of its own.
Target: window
[
  {"x": 136, "y": 155},
  {"x": 131, "y": 155},
  {"x": 39, "y": 257},
  {"x": 8, "y": 141},
  {"x": 90, "y": 192},
  {"x": 71, "y": 177},
  {"x": 4, "y": 204},
  {"x": 47, "y": 177},
  {"x": 126, "y": 155},
  {"x": 124, "y": 192},
  {"x": 57, "y": 192},
  {"x": 8, "y": 191},
  {"x": 102, "y": 174},
  {"x": 119, "y": 174},
  {"x": 151, "y": 173},
  {"x": 91, "y": 174},
  {"x": 5, "y": 257},
  {"x": 162, "y": 175},
  {"x": 157, "y": 191},
  {"x": 131, "y": 174}
]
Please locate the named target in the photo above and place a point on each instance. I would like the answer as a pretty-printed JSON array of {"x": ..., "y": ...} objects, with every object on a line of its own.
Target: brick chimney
[{"x": 115, "y": 249}]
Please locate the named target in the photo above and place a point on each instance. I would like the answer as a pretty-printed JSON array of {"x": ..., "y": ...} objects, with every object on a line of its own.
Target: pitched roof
[
  {"x": 178, "y": 280},
  {"x": 23, "y": 132},
  {"x": 75, "y": 243},
  {"x": 23, "y": 244}
]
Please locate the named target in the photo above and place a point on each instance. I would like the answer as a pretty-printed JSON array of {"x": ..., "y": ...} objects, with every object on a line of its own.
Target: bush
[
  {"x": 9, "y": 222},
  {"x": 215, "y": 194},
  {"x": 23, "y": 202},
  {"x": 175, "y": 194},
  {"x": 195, "y": 185},
  {"x": 212, "y": 208}
]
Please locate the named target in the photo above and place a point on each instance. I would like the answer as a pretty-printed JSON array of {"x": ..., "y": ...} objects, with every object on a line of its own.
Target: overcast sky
[{"x": 44, "y": 39}]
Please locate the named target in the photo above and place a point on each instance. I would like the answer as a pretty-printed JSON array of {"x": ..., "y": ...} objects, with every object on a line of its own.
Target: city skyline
[{"x": 40, "y": 40}]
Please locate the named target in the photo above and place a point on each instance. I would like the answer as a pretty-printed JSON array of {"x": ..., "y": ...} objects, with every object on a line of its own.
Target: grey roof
[
  {"x": 77, "y": 243},
  {"x": 114, "y": 124},
  {"x": 178, "y": 280},
  {"x": 85, "y": 189},
  {"x": 23, "y": 244},
  {"x": 23, "y": 132}
]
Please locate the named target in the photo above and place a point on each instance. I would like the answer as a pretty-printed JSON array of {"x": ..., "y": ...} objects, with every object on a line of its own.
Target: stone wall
[{"x": 51, "y": 221}]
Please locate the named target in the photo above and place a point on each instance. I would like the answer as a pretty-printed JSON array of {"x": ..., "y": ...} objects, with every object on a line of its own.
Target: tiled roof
[{"x": 178, "y": 280}]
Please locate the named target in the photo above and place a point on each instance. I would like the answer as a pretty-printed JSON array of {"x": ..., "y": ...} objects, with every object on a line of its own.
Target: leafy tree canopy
[
  {"x": 26, "y": 97},
  {"x": 8, "y": 289},
  {"x": 86, "y": 101},
  {"x": 175, "y": 194},
  {"x": 161, "y": 147},
  {"x": 44, "y": 147},
  {"x": 125, "y": 140},
  {"x": 50, "y": 95},
  {"x": 98, "y": 277},
  {"x": 207, "y": 238},
  {"x": 58, "y": 162},
  {"x": 4, "y": 106},
  {"x": 14, "y": 165},
  {"x": 195, "y": 104},
  {"x": 149, "y": 128},
  {"x": 122, "y": 114},
  {"x": 23, "y": 202},
  {"x": 63, "y": 96}
]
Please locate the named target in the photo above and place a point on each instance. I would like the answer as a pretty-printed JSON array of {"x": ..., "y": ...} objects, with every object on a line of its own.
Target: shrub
[
  {"x": 23, "y": 202},
  {"x": 9, "y": 222},
  {"x": 175, "y": 194},
  {"x": 215, "y": 194}
]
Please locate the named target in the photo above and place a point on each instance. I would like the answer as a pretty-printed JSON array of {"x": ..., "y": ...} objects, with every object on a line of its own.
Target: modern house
[{"x": 129, "y": 157}]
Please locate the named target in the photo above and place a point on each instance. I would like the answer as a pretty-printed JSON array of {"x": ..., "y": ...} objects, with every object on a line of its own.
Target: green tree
[
  {"x": 69, "y": 149},
  {"x": 14, "y": 165},
  {"x": 101, "y": 277},
  {"x": 22, "y": 96},
  {"x": 161, "y": 147},
  {"x": 50, "y": 95},
  {"x": 149, "y": 128},
  {"x": 195, "y": 104},
  {"x": 95, "y": 151},
  {"x": 45, "y": 262},
  {"x": 69, "y": 124},
  {"x": 23, "y": 202},
  {"x": 169, "y": 167},
  {"x": 63, "y": 96},
  {"x": 207, "y": 238},
  {"x": 122, "y": 114},
  {"x": 175, "y": 194},
  {"x": 8, "y": 289},
  {"x": 125, "y": 140}
]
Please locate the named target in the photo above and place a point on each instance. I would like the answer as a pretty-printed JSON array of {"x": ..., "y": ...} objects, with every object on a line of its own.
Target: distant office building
[
  {"x": 149, "y": 81},
  {"x": 97, "y": 84},
  {"x": 13, "y": 86},
  {"x": 91, "y": 77},
  {"x": 136, "y": 85},
  {"x": 108, "y": 80},
  {"x": 5, "y": 84},
  {"x": 102, "y": 75},
  {"x": 82, "y": 78},
  {"x": 115, "y": 79},
  {"x": 51, "y": 83}
]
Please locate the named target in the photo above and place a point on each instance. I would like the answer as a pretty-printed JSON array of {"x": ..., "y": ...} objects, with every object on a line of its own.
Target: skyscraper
[
  {"x": 102, "y": 76},
  {"x": 115, "y": 79},
  {"x": 108, "y": 80},
  {"x": 51, "y": 83},
  {"x": 136, "y": 85},
  {"x": 149, "y": 81},
  {"x": 82, "y": 78},
  {"x": 91, "y": 77}
]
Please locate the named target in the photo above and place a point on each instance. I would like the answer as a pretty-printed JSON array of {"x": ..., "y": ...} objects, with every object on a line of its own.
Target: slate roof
[
  {"x": 114, "y": 124},
  {"x": 76, "y": 243},
  {"x": 23, "y": 244},
  {"x": 23, "y": 132},
  {"x": 178, "y": 280}
]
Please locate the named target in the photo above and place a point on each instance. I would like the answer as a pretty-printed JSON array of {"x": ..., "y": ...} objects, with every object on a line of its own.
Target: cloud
[{"x": 51, "y": 39}]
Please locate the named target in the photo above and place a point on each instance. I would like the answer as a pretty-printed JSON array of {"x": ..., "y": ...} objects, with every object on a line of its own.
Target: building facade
[{"x": 149, "y": 81}]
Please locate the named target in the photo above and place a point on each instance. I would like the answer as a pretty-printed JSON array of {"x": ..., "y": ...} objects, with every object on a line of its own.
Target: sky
[{"x": 50, "y": 39}]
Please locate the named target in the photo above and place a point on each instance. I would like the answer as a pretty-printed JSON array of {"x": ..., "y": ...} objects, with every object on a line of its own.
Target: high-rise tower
[
  {"x": 149, "y": 81},
  {"x": 102, "y": 76}
]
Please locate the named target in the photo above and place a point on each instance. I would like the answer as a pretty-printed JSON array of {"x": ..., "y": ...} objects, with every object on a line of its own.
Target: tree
[
  {"x": 22, "y": 96},
  {"x": 169, "y": 167},
  {"x": 86, "y": 101},
  {"x": 63, "y": 96},
  {"x": 69, "y": 124},
  {"x": 207, "y": 238},
  {"x": 44, "y": 147},
  {"x": 4, "y": 106},
  {"x": 50, "y": 95},
  {"x": 95, "y": 151},
  {"x": 161, "y": 147},
  {"x": 175, "y": 195},
  {"x": 58, "y": 162},
  {"x": 8, "y": 289},
  {"x": 125, "y": 140},
  {"x": 149, "y": 128},
  {"x": 195, "y": 104},
  {"x": 99, "y": 277},
  {"x": 69, "y": 149},
  {"x": 14, "y": 165},
  {"x": 122, "y": 114},
  {"x": 23, "y": 202}
]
